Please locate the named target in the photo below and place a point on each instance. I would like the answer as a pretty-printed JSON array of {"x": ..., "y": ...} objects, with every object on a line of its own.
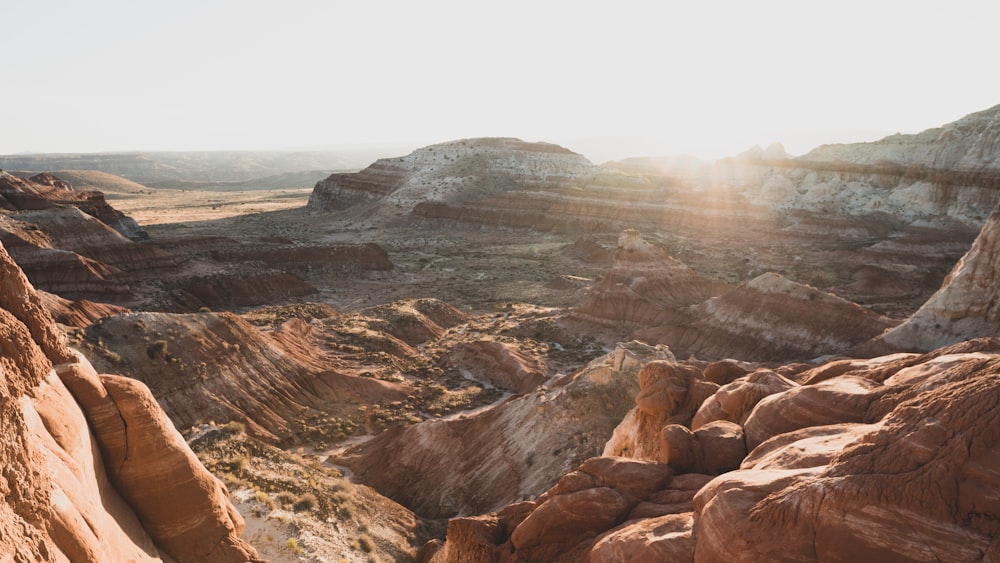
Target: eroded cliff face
[
  {"x": 967, "y": 305},
  {"x": 93, "y": 469}
]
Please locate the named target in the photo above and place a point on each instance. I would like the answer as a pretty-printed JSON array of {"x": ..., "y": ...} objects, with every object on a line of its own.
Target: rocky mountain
[
  {"x": 94, "y": 470},
  {"x": 454, "y": 172}
]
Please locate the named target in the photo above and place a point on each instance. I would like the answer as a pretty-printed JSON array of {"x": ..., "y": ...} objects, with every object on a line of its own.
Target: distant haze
[{"x": 605, "y": 79}]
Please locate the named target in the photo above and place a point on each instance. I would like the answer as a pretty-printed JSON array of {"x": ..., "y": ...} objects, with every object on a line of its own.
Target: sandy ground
[{"x": 159, "y": 207}]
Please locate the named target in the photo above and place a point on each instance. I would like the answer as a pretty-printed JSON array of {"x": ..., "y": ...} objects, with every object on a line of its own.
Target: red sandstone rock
[
  {"x": 843, "y": 399},
  {"x": 498, "y": 364},
  {"x": 735, "y": 401},
  {"x": 514, "y": 450},
  {"x": 666, "y": 538},
  {"x": 670, "y": 393},
  {"x": 93, "y": 470},
  {"x": 913, "y": 487},
  {"x": 714, "y": 448}
]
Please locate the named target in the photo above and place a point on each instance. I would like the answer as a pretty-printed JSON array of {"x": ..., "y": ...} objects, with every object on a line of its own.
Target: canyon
[{"x": 496, "y": 350}]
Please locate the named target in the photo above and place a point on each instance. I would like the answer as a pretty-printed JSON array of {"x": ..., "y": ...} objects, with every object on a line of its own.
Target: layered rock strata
[
  {"x": 967, "y": 305},
  {"x": 511, "y": 451},
  {"x": 453, "y": 171}
]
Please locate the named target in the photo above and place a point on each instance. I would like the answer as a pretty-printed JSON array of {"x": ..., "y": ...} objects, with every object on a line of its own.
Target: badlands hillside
[{"x": 496, "y": 350}]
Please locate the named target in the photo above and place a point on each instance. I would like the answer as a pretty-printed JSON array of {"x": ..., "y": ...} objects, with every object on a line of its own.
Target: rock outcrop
[
  {"x": 650, "y": 296},
  {"x": 511, "y": 451},
  {"x": 967, "y": 305},
  {"x": 217, "y": 367},
  {"x": 45, "y": 191},
  {"x": 951, "y": 171},
  {"x": 771, "y": 318},
  {"x": 93, "y": 469},
  {"x": 894, "y": 458},
  {"x": 645, "y": 287}
]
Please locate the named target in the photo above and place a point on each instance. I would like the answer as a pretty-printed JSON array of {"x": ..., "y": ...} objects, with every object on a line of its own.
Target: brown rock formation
[
  {"x": 93, "y": 470},
  {"x": 498, "y": 364},
  {"x": 449, "y": 171},
  {"x": 669, "y": 393},
  {"x": 842, "y": 399},
  {"x": 77, "y": 313},
  {"x": 506, "y": 453},
  {"x": 217, "y": 367},
  {"x": 880, "y": 497},
  {"x": 45, "y": 191},
  {"x": 734, "y": 401},
  {"x": 771, "y": 318},
  {"x": 644, "y": 288}
]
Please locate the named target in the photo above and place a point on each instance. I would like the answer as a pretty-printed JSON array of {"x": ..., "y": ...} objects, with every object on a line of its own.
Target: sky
[{"x": 708, "y": 78}]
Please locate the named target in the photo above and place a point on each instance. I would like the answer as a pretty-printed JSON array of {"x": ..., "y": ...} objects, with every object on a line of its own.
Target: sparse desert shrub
[
  {"x": 365, "y": 543},
  {"x": 284, "y": 499},
  {"x": 234, "y": 427},
  {"x": 293, "y": 544},
  {"x": 305, "y": 503},
  {"x": 158, "y": 349}
]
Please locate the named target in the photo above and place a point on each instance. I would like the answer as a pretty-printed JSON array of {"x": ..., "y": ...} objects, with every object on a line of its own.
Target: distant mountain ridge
[{"x": 157, "y": 169}]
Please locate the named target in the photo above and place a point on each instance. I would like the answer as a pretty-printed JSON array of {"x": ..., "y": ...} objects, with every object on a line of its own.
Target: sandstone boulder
[
  {"x": 669, "y": 393},
  {"x": 917, "y": 485},
  {"x": 734, "y": 402},
  {"x": 843, "y": 399}
]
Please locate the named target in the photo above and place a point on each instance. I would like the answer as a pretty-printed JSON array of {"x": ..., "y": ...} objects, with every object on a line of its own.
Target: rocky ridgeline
[
  {"x": 93, "y": 469},
  {"x": 454, "y": 171},
  {"x": 950, "y": 172}
]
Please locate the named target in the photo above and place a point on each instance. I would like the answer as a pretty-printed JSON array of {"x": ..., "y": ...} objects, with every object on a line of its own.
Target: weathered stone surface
[
  {"x": 771, "y": 318},
  {"x": 498, "y": 364},
  {"x": 735, "y": 401},
  {"x": 565, "y": 520},
  {"x": 843, "y": 399},
  {"x": 45, "y": 191},
  {"x": 917, "y": 485},
  {"x": 670, "y": 393},
  {"x": 93, "y": 470},
  {"x": 217, "y": 367},
  {"x": 644, "y": 288},
  {"x": 666, "y": 538},
  {"x": 714, "y": 448},
  {"x": 514, "y": 450}
]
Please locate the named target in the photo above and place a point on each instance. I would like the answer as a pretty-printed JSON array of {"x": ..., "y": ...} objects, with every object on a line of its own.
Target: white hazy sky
[{"x": 709, "y": 78}]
